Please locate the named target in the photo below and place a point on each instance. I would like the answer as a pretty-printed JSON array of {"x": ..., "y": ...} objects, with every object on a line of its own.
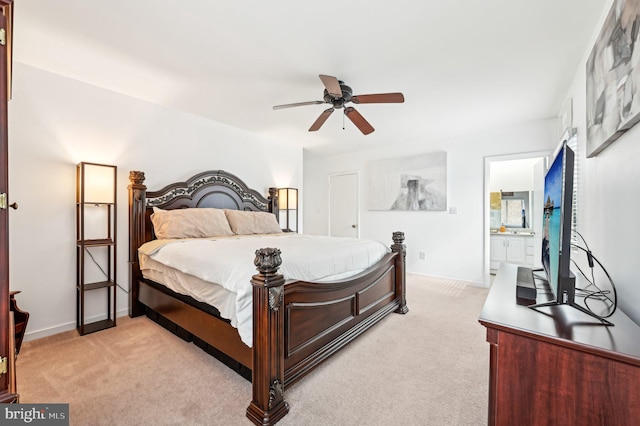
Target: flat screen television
[
  {"x": 556, "y": 231},
  {"x": 556, "y": 225}
]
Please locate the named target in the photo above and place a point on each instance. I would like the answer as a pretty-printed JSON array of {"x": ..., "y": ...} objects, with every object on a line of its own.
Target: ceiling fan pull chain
[{"x": 343, "y": 114}]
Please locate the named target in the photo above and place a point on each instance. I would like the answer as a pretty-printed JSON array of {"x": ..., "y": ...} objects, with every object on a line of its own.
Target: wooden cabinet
[
  {"x": 558, "y": 366},
  {"x": 96, "y": 245},
  {"x": 17, "y": 326},
  {"x": 21, "y": 318}
]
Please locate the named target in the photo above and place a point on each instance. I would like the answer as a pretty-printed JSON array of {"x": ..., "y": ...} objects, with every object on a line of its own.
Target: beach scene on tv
[{"x": 552, "y": 222}]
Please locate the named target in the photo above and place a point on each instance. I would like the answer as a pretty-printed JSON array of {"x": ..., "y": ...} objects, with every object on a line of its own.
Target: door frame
[
  {"x": 486, "y": 222},
  {"x": 7, "y": 391},
  {"x": 332, "y": 175}
]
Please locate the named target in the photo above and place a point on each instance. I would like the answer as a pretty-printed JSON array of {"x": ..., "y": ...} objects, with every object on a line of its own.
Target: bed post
[
  {"x": 399, "y": 247},
  {"x": 273, "y": 202},
  {"x": 268, "y": 404},
  {"x": 137, "y": 205}
]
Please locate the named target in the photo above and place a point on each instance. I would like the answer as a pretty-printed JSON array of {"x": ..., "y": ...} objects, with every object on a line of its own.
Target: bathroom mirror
[{"x": 511, "y": 209}]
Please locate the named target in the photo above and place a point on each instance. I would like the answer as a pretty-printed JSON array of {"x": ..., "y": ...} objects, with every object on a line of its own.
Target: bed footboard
[{"x": 299, "y": 325}]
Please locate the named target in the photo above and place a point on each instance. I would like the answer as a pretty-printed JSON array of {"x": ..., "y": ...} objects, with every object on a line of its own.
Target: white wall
[
  {"x": 607, "y": 215},
  {"x": 512, "y": 175},
  {"x": 453, "y": 243},
  {"x": 56, "y": 122},
  {"x": 610, "y": 200}
]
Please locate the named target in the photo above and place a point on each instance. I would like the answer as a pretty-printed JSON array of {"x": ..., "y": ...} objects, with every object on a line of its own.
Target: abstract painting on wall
[
  {"x": 613, "y": 77},
  {"x": 409, "y": 183}
]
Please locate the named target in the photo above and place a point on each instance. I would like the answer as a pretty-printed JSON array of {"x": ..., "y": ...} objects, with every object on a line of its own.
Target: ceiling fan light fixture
[{"x": 337, "y": 94}]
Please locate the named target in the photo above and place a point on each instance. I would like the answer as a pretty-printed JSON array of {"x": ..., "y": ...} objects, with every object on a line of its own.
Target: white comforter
[{"x": 228, "y": 261}]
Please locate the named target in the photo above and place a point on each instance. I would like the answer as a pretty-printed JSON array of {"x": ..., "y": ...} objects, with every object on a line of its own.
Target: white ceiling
[{"x": 462, "y": 65}]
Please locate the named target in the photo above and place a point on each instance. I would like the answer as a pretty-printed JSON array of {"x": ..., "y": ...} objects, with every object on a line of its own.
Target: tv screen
[
  {"x": 556, "y": 237},
  {"x": 556, "y": 232}
]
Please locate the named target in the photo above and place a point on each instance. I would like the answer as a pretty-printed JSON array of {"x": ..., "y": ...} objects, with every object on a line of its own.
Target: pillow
[
  {"x": 190, "y": 223},
  {"x": 243, "y": 222}
]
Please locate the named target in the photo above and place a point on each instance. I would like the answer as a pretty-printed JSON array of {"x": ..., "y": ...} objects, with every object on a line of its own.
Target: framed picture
[
  {"x": 416, "y": 183},
  {"x": 565, "y": 118},
  {"x": 613, "y": 79}
]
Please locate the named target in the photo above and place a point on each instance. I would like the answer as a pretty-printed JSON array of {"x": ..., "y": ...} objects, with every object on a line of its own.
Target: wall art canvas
[
  {"x": 417, "y": 183},
  {"x": 565, "y": 118},
  {"x": 613, "y": 77}
]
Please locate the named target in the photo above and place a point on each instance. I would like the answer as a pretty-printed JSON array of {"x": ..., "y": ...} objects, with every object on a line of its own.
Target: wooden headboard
[{"x": 214, "y": 188}]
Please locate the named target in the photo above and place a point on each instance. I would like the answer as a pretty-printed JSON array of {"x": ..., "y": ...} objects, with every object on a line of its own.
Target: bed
[{"x": 295, "y": 324}]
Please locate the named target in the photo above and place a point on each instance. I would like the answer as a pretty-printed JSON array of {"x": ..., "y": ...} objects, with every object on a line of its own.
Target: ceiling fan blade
[
  {"x": 358, "y": 120},
  {"x": 320, "y": 120},
  {"x": 380, "y": 98},
  {"x": 297, "y": 104},
  {"x": 332, "y": 85}
]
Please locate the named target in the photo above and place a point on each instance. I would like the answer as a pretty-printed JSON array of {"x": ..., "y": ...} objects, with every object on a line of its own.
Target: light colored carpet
[{"x": 428, "y": 367}]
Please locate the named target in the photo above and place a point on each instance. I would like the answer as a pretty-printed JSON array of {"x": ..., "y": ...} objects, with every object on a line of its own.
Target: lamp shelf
[
  {"x": 95, "y": 203},
  {"x": 96, "y": 242},
  {"x": 99, "y": 284},
  {"x": 98, "y": 183},
  {"x": 97, "y": 326}
]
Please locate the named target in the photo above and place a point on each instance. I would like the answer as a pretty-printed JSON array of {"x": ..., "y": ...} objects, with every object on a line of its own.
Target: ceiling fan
[{"x": 338, "y": 94}]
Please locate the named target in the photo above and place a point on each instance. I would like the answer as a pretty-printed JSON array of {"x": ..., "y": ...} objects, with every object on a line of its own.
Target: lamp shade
[
  {"x": 287, "y": 198},
  {"x": 288, "y": 207},
  {"x": 96, "y": 182}
]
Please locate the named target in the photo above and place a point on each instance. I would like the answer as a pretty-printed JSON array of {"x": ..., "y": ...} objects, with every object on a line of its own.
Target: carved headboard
[{"x": 214, "y": 188}]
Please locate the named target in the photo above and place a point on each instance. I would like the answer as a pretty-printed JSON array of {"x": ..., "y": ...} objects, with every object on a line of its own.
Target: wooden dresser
[{"x": 558, "y": 366}]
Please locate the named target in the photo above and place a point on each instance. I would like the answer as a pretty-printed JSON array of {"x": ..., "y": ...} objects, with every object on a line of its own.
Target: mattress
[{"x": 218, "y": 270}]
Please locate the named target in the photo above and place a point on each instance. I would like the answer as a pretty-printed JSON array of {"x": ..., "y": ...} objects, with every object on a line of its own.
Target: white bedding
[{"x": 228, "y": 262}]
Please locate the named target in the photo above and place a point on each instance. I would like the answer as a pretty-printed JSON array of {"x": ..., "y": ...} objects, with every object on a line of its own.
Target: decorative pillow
[
  {"x": 190, "y": 223},
  {"x": 244, "y": 222}
]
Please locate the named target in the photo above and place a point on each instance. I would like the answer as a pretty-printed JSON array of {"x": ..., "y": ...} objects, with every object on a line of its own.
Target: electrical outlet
[{"x": 422, "y": 255}]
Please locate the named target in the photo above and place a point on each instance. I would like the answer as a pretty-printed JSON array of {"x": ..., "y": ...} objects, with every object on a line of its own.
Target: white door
[
  {"x": 516, "y": 250},
  {"x": 343, "y": 205},
  {"x": 497, "y": 248}
]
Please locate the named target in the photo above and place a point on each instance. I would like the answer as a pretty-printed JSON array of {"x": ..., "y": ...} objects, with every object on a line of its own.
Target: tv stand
[
  {"x": 557, "y": 368},
  {"x": 603, "y": 321},
  {"x": 569, "y": 298}
]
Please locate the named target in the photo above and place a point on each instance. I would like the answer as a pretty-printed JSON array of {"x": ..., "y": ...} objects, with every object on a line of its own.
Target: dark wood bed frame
[{"x": 296, "y": 325}]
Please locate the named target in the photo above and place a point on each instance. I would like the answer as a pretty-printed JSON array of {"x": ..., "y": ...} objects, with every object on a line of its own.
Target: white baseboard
[
  {"x": 62, "y": 328},
  {"x": 473, "y": 283}
]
